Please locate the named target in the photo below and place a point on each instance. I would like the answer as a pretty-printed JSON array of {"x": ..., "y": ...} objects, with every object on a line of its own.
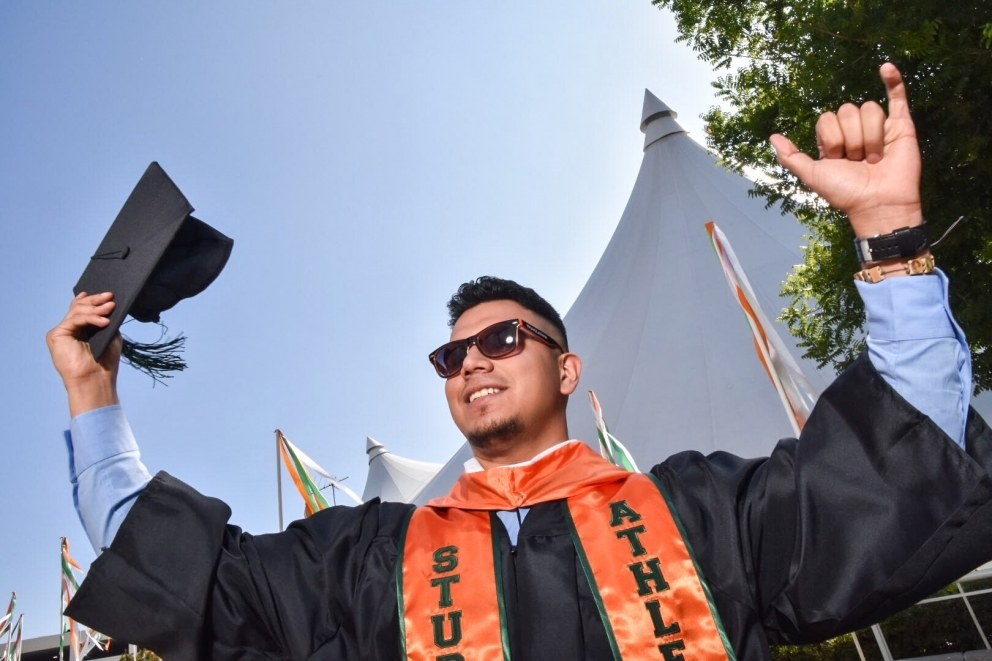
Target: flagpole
[
  {"x": 279, "y": 479},
  {"x": 61, "y": 614}
]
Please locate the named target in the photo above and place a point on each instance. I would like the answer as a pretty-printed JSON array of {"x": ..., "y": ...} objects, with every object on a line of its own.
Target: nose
[{"x": 475, "y": 361}]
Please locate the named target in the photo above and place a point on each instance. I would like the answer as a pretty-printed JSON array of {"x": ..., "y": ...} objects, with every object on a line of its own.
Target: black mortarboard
[{"x": 154, "y": 255}]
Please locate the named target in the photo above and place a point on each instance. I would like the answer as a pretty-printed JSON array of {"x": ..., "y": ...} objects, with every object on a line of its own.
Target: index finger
[
  {"x": 895, "y": 90},
  {"x": 93, "y": 299}
]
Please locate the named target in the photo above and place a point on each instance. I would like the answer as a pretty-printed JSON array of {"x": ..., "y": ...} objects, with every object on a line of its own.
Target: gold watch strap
[{"x": 916, "y": 266}]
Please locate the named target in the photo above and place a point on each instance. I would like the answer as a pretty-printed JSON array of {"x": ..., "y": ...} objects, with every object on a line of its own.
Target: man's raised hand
[{"x": 869, "y": 164}]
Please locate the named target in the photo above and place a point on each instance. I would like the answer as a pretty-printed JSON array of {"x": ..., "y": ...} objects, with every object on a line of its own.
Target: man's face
[{"x": 501, "y": 403}]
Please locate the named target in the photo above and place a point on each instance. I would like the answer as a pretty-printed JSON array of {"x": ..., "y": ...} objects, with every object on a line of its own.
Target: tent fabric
[
  {"x": 445, "y": 478},
  {"x": 663, "y": 342},
  {"x": 393, "y": 478}
]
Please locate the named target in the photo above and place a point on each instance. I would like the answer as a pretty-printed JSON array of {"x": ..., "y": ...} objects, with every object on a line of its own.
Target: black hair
[{"x": 488, "y": 288}]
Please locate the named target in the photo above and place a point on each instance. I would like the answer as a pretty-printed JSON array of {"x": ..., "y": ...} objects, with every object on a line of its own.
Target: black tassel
[{"x": 157, "y": 359}]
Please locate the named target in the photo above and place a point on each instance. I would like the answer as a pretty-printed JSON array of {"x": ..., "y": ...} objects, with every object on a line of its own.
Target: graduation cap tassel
[{"x": 157, "y": 359}]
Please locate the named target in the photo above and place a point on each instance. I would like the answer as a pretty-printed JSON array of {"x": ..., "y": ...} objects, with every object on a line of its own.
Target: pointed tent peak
[
  {"x": 654, "y": 108},
  {"x": 374, "y": 448},
  {"x": 657, "y": 119}
]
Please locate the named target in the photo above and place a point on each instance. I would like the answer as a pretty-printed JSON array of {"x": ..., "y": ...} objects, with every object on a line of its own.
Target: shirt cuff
[
  {"x": 909, "y": 308},
  {"x": 106, "y": 471},
  {"x": 97, "y": 435},
  {"x": 919, "y": 349}
]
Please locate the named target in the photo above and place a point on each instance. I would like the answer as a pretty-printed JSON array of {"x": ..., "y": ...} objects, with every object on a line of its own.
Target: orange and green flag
[
  {"x": 306, "y": 473},
  {"x": 79, "y": 639},
  {"x": 795, "y": 391},
  {"x": 609, "y": 445}
]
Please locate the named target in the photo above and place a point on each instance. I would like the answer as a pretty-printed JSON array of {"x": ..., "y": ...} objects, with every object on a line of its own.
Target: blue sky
[{"x": 366, "y": 158}]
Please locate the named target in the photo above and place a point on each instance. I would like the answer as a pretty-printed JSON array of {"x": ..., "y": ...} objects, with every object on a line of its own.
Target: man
[{"x": 549, "y": 552}]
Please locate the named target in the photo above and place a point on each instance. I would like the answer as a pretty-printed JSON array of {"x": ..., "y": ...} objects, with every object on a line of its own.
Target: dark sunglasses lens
[
  {"x": 449, "y": 358},
  {"x": 499, "y": 340}
]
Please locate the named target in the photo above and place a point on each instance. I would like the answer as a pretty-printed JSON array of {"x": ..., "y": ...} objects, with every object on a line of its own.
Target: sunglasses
[{"x": 501, "y": 340}]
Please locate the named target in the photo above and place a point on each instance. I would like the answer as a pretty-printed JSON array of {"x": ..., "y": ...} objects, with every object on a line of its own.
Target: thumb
[
  {"x": 111, "y": 358},
  {"x": 791, "y": 158}
]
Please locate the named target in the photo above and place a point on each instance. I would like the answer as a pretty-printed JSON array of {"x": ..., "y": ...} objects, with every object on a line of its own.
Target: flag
[
  {"x": 303, "y": 469},
  {"x": 81, "y": 640},
  {"x": 13, "y": 633},
  {"x": 8, "y": 618},
  {"x": 796, "y": 393},
  {"x": 15, "y": 637},
  {"x": 609, "y": 446}
]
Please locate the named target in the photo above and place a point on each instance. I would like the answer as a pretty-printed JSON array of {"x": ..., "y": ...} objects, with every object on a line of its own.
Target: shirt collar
[{"x": 473, "y": 465}]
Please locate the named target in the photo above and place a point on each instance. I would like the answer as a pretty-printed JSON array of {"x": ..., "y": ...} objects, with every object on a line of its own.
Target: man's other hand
[{"x": 90, "y": 383}]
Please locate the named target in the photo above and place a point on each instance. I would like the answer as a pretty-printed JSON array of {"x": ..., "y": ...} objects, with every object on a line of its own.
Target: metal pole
[
  {"x": 61, "y": 614},
  {"x": 857, "y": 645},
  {"x": 882, "y": 645},
  {"x": 967, "y": 604},
  {"x": 279, "y": 477}
]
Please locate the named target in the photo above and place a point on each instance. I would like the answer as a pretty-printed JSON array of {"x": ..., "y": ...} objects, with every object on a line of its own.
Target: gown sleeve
[
  {"x": 179, "y": 580},
  {"x": 873, "y": 508}
]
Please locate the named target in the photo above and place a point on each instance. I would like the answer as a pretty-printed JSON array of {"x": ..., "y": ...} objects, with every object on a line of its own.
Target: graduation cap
[{"x": 154, "y": 255}]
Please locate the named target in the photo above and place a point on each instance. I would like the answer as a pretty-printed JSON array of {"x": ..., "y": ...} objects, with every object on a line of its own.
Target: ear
[{"x": 569, "y": 371}]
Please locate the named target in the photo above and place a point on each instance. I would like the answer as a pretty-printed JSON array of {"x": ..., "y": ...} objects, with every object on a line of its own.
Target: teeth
[{"x": 481, "y": 393}]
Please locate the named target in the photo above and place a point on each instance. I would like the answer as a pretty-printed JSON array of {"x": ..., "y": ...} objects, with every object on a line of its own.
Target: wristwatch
[{"x": 903, "y": 243}]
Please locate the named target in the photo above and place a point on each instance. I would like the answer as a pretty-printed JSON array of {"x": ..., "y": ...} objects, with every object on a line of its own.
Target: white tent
[
  {"x": 394, "y": 478},
  {"x": 664, "y": 344}
]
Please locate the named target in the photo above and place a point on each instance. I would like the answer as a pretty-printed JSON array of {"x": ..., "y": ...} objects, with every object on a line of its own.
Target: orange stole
[
  {"x": 647, "y": 588},
  {"x": 639, "y": 566},
  {"x": 450, "y": 607}
]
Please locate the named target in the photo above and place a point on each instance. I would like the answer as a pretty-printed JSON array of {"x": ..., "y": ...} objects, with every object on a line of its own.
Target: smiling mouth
[{"x": 482, "y": 393}]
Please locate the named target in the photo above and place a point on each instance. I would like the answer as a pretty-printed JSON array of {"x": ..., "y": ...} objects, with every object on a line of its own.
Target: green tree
[
  {"x": 141, "y": 655},
  {"x": 783, "y": 62},
  {"x": 837, "y": 649}
]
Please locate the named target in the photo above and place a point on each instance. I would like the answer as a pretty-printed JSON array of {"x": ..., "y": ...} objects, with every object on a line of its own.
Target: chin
[{"x": 495, "y": 434}]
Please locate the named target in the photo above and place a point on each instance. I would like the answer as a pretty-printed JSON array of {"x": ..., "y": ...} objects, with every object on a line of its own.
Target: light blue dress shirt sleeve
[
  {"x": 919, "y": 349},
  {"x": 105, "y": 470},
  {"x": 914, "y": 343}
]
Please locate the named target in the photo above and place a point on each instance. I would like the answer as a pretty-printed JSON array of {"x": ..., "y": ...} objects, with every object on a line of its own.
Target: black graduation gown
[{"x": 873, "y": 509}]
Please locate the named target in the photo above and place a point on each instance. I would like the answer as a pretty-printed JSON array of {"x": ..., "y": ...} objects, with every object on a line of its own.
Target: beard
[{"x": 497, "y": 432}]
